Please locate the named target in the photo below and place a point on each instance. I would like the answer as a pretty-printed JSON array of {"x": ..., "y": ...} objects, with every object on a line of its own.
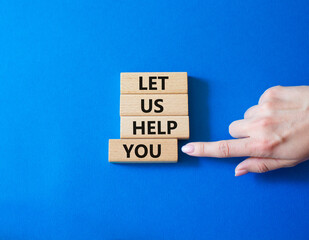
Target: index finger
[{"x": 220, "y": 149}]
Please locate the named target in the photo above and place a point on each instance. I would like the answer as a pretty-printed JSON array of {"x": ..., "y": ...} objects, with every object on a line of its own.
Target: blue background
[{"x": 60, "y": 64}]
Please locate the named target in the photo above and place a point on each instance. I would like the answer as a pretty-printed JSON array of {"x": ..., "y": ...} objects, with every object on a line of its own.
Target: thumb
[{"x": 261, "y": 165}]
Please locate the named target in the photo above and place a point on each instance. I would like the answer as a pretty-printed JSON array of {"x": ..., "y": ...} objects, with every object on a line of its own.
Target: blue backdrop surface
[{"x": 60, "y": 64}]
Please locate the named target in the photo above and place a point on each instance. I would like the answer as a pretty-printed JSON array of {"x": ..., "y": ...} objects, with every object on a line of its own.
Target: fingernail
[
  {"x": 240, "y": 172},
  {"x": 189, "y": 148}
]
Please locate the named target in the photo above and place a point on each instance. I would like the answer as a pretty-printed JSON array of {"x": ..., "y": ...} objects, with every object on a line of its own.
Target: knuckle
[
  {"x": 248, "y": 113},
  {"x": 268, "y": 106},
  {"x": 272, "y": 92},
  {"x": 223, "y": 149},
  {"x": 265, "y": 122},
  {"x": 266, "y": 147},
  {"x": 200, "y": 149},
  {"x": 262, "y": 167}
]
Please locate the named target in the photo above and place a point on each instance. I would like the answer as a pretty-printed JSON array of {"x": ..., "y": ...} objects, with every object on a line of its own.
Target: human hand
[{"x": 273, "y": 134}]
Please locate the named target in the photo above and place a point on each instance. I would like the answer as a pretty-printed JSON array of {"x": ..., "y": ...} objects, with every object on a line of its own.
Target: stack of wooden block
[{"x": 154, "y": 114}]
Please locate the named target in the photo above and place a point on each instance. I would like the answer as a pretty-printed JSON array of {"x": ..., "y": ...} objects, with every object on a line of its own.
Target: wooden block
[
  {"x": 155, "y": 127},
  {"x": 154, "y": 104},
  {"x": 143, "y": 150},
  {"x": 154, "y": 82}
]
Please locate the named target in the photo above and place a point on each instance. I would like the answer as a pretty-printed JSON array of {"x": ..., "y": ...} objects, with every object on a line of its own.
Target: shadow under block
[
  {"x": 154, "y": 82},
  {"x": 155, "y": 127},
  {"x": 154, "y": 105},
  {"x": 143, "y": 150}
]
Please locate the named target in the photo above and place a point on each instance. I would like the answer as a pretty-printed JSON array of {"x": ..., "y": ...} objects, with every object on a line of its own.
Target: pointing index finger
[{"x": 220, "y": 149}]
